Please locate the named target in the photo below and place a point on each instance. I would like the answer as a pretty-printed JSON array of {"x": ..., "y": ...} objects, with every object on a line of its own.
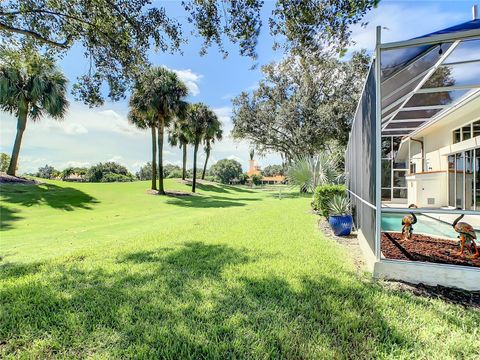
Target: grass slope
[{"x": 104, "y": 270}]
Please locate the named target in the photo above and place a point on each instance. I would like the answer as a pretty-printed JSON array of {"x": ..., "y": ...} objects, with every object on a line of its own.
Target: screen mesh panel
[{"x": 360, "y": 161}]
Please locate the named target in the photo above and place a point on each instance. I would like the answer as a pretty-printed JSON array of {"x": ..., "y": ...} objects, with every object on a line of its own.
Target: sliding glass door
[
  {"x": 459, "y": 184},
  {"x": 451, "y": 180},
  {"x": 477, "y": 179},
  {"x": 464, "y": 180}
]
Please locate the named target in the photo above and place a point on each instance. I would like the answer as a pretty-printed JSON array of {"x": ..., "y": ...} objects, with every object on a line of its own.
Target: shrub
[
  {"x": 47, "y": 172},
  {"x": 243, "y": 178},
  {"x": 145, "y": 172},
  {"x": 256, "y": 179},
  {"x": 4, "y": 162},
  {"x": 97, "y": 172},
  {"x": 112, "y": 177},
  {"x": 174, "y": 173},
  {"x": 323, "y": 195}
]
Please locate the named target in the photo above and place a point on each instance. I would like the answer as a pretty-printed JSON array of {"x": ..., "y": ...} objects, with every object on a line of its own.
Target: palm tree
[
  {"x": 179, "y": 135},
  {"x": 212, "y": 132},
  {"x": 142, "y": 118},
  {"x": 309, "y": 172},
  {"x": 162, "y": 94},
  {"x": 198, "y": 116},
  {"x": 31, "y": 86}
]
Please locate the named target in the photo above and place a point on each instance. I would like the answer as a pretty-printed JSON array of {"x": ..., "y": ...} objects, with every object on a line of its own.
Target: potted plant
[{"x": 340, "y": 218}]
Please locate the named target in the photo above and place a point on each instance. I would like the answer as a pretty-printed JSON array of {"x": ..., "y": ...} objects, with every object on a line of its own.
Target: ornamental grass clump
[{"x": 339, "y": 205}]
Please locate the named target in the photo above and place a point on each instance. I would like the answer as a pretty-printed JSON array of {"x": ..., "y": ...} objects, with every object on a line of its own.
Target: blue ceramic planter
[{"x": 341, "y": 224}]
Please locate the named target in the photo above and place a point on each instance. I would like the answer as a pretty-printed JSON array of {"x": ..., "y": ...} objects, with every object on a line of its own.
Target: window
[
  {"x": 394, "y": 171},
  {"x": 400, "y": 193},
  {"x": 399, "y": 178},
  {"x": 476, "y": 128},
  {"x": 457, "y": 136},
  {"x": 466, "y": 132}
]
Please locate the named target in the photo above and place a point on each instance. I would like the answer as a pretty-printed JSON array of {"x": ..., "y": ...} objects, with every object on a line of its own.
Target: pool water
[{"x": 425, "y": 225}]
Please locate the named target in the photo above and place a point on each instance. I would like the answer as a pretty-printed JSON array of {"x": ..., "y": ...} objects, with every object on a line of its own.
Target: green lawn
[{"x": 107, "y": 271}]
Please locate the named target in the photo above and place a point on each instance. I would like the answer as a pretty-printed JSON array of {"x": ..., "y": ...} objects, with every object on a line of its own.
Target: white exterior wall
[
  {"x": 438, "y": 144},
  {"x": 424, "y": 190},
  {"x": 438, "y": 138}
]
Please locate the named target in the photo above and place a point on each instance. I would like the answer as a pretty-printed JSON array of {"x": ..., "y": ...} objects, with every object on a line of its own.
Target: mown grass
[{"x": 107, "y": 271}]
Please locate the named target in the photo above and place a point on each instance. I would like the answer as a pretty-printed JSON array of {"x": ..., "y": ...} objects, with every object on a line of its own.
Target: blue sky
[{"x": 88, "y": 136}]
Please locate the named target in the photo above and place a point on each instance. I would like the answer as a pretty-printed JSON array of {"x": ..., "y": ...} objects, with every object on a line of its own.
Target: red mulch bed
[{"x": 425, "y": 248}]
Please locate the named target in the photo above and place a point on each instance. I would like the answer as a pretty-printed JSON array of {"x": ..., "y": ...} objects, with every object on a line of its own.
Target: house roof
[{"x": 424, "y": 78}]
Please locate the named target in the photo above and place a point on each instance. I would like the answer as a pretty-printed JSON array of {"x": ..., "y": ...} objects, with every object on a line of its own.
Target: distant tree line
[{"x": 223, "y": 171}]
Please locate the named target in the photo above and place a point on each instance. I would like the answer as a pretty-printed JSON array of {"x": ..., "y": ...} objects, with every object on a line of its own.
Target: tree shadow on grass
[
  {"x": 238, "y": 189},
  {"x": 209, "y": 187},
  {"x": 209, "y": 201},
  {"x": 220, "y": 188},
  {"x": 8, "y": 217},
  {"x": 289, "y": 195},
  {"x": 57, "y": 197},
  {"x": 195, "y": 302}
]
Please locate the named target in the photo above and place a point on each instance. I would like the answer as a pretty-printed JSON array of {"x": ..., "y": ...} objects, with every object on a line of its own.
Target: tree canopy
[
  {"x": 273, "y": 170},
  {"x": 226, "y": 170},
  {"x": 31, "y": 86},
  {"x": 301, "y": 104},
  {"x": 108, "y": 172},
  {"x": 158, "y": 96},
  {"x": 116, "y": 35}
]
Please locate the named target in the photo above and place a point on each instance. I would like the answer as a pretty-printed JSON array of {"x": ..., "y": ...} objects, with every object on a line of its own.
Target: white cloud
[
  {"x": 190, "y": 78},
  {"x": 74, "y": 164},
  {"x": 116, "y": 158},
  {"x": 234, "y": 157},
  {"x": 74, "y": 129},
  {"x": 402, "y": 22},
  {"x": 224, "y": 114},
  {"x": 110, "y": 120},
  {"x": 227, "y": 97}
]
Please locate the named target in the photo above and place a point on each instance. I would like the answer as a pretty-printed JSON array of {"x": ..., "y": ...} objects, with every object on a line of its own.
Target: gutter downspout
[{"x": 421, "y": 143}]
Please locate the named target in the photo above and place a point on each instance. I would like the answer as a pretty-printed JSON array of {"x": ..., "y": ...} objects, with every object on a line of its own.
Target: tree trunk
[
  {"x": 161, "y": 125},
  {"x": 195, "y": 150},
  {"x": 207, "y": 153},
  {"x": 154, "y": 158},
  {"x": 21, "y": 125},
  {"x": 184, "y": 161}
]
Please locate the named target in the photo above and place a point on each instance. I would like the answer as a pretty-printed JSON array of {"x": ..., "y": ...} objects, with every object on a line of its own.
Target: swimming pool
[{"x": 425, "y": 225}]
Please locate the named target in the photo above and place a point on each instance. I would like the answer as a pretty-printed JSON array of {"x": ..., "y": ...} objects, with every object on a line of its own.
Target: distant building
[
  {"x": 75, "y": 178},
  {"x": 255, "y": 169}
]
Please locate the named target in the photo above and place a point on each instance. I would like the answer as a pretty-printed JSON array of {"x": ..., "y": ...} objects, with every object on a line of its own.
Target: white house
[{"x": 438, "y": 164}]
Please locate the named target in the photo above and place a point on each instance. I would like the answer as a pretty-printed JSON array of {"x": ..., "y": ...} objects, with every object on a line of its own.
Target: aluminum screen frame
[{"x": 363, "y": 153}]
